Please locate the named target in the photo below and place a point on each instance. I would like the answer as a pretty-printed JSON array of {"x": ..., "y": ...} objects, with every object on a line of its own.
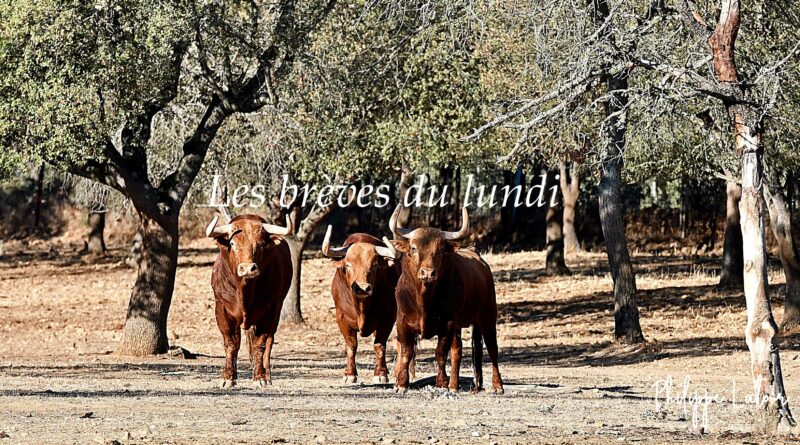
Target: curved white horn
[
  {"x": 463, "y": 231},
  {"x": 332, "y": 252},
  {"x": 212, "y": 231},
  {"x": 389, "y": 251},
  {"x": 398, "y": 231},
  {"x": 278, "y": 230}
]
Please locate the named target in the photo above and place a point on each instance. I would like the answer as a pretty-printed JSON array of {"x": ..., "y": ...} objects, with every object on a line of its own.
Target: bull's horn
[
  {"x": 212, "y": 231},
  {"x": 463, "y": 231},
  {"x": 226, "y": 212},
  {"x": 332, "y": 252},
  {"x": 389, "y": 251},
  {"x": 398, "y": 231},
  {"x": 278, "y": 230}
]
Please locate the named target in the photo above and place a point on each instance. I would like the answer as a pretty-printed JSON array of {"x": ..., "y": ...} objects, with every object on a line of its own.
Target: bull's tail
[
  {"x": 251, "y": 341},
  {"x": 477, "y": 357},
  {"x": 412, "y": 366}
]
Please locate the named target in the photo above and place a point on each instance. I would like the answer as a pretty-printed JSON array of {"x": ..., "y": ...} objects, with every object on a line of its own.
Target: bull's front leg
[
  {"x": 258, "y": 351},
  {"x": 351, "y": 344},
  {"x": 441, "y": 360},
  {"x": 381, "y": 374},
  {"x": 232, "y": 337},
  {"x": 268, "y": 357},
  {"x": 406, "y": 341},
  {"x": 455, "y": 360}
]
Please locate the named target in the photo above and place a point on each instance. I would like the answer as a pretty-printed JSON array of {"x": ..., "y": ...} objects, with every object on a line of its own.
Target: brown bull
[
  {"x": 363, "y": 293},
  {"x": 442, "y": 289},
  {"x": 250, "y": 279}
]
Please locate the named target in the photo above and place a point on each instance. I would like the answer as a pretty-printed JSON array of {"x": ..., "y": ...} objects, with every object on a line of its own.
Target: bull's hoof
[
  {"x": 380, "y": 379},
  {"x": 261, "y": 383},
  {"x": 401, "y": 389},
  {"x": 453, "y": 390},
  {"x": 227, "y": 383},
  {"x": 498, "y": 390},
  {"x": 476, "y": 389},
  {"x": 350, "y": 379}
]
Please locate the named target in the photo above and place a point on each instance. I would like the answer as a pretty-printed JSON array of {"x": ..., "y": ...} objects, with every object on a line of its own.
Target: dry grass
[{"x": 566, "y": 381}]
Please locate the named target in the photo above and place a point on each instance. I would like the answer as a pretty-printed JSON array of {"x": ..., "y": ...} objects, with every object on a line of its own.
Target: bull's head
[
  {"x": 426, "y": 247},
  {"x": 359, "y": 262},
  {"x": 246, "y": 240}
]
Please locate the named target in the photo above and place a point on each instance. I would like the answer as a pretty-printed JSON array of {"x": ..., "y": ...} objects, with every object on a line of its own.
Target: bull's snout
[
  {"x": 247, "y": 270},
  {"x": 362, "y": 289},
  {"x": 427, "y": 275}
]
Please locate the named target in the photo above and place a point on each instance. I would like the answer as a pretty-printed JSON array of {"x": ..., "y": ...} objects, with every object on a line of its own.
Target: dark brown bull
[
  {"x": 250, "y": 279},
  {"x": 442, "y": 289},
  {"x": 363, "y": 293}
]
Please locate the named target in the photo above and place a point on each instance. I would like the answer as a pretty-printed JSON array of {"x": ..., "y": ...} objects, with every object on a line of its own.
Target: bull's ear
[
  {"x": 401, "y": 245},
  {"x": 451, "y": 246},
  {"x": 337, "y": 264},
  {"x": 276, "y": 239}
]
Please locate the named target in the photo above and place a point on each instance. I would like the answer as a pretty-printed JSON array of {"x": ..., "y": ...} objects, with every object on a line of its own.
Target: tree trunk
[
  {"x": 406, "y": 181},
  {"x": 570, "y": 189},
  {"x": 746, "y": 123},
  {"x": 626, "y": 313},
  {"x": 145, "y": 331},
  {"x": 97, "y": 224},
  {"x": 37, "y": 200},
  {"x": 135, "y": 252},
  {"x": 291, "y": 311},
  {"x": 554, "y": 260},
  {"x": 731, "y": 274},
  {"x": 781, "y": 224}
]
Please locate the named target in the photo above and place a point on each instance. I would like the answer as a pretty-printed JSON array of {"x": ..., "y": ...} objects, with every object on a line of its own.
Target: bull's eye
[
  {"x": 414, "y": 249},
  {"x": 233, "y": 244},
  {"x": 348, "y": 265}
]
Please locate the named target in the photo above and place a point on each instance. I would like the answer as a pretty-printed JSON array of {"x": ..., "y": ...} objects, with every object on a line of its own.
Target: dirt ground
[{"x": 566, "y": 382}]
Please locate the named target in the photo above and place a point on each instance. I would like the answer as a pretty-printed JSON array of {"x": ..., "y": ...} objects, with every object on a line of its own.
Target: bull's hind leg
[
  {"x": 441, "y": 360},
  {"x": 232, "y": 337},
  {"x": 455, "y": 360},
  {"x": 406, "y": 352},
  {"x": 477, "y": 359},
  {"x": 490, "y": 337}
]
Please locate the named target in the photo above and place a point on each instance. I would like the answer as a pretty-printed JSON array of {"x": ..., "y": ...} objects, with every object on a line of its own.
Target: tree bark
[
  {"x": 781, "y": 224},
  {"x": 145, "y": 330},
  {"x": 95, "y": 244},
  {"x": 37, "y": 200},
  {"x": 626, "y": 313},
  {"x": 406, "y": 181},
  {"x": 554, "y": 260},
  {"x": 570, "y": 190},
  {"x": 731, "y": 273}
]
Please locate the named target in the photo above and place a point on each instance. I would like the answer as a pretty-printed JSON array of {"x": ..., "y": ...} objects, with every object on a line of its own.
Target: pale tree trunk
[
  {"x": 772, "y": 408},
  {"x": 554, "y": 260},
  {"x": 292, "y": 312},
  {"x": 626, "y": 313},
  {"x": 570, "y": 189},
  {"x": 781, "y": 224},
  {"x": 145, "y": 330},
  {"x": 95, "y": 244},
  {"x": 731, "y": 272}
]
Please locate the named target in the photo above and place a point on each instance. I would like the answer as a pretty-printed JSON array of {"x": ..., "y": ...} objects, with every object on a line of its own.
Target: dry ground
[{"x": 565, "y": 381}]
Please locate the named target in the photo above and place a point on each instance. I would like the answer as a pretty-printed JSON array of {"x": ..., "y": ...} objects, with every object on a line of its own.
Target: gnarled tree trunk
[
  {"x": 626, "y": 313},
  {"x": 781, "y": 224},
  {"x": 772, "y": 407},
  {"x": 570, "y": 189},
  {"x": 95, "y": 244},
  {"x": 731, "y": 273},
  {"x": 145, "y": 330},
  {"x": 291, "y": 312}
]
